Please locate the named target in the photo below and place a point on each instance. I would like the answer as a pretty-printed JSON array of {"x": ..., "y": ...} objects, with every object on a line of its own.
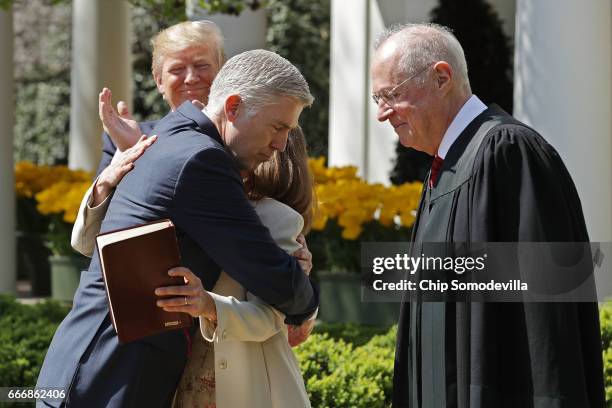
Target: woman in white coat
[{"x": 243, "y": 358}]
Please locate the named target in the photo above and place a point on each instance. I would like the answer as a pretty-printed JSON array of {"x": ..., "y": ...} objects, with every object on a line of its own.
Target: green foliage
[
  {"x": 173, "y": 11},
  {"x": 42, "y": 81},
  {"x": 5, "y": 4},
  {"x": 42, "y": 118},
  {"x": 231, "y": 7},
  {"x": 148, "y": 104},
  {"x": 605, "y": 318},
  {"x": 339, "y": 374},
  {"x": 352, "y": 333},
  {"x": 57, "y": 238},
  {"x": 24, "y": 338},
  {"x": 488, "y": 51},
  {"x": 299, "y": 31},
  {"x": 166, "y": 11}
]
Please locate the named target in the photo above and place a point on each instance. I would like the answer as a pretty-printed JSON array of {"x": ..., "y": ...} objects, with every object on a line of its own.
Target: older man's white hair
[
  {"x": 425, "y": 44},
  {"x": 260, "y": 77}
]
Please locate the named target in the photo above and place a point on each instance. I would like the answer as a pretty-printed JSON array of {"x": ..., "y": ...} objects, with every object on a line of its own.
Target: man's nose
[
  {"x": 384, "y": 111},
  {"x": 192, "y": 75},
  {"x": 280, "y": 142}
]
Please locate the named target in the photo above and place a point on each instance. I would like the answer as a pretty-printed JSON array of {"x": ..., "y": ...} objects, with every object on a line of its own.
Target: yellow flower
[
  {"x": 319, "y": 221},
  {"x": 57, "y": 189},
  {"x": 351, "y": 232},
  {"x": 31, "y": 179},
  {"x": 350, "y": 200}
]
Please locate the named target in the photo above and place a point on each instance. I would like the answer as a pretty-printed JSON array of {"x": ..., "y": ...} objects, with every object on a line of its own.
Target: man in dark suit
[
  {"x": 493, "y": 179},
  {"x": 190, "y": 175}
]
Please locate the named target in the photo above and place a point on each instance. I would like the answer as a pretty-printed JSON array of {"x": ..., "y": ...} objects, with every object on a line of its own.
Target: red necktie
[{"x": 435, "y": 170}]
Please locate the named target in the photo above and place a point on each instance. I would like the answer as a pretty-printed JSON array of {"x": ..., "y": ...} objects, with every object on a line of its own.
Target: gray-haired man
[{"x": 494, "y": 179}]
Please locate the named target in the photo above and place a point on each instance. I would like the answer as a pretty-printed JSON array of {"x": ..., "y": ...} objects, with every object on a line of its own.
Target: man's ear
[
  {"x": 232, "y": 107},
  {"x": 158, "y": 82},
  {"x": 444, "y": 75}
]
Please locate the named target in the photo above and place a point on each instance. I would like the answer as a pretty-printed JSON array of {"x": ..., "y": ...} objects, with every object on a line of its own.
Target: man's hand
[
  {"x": 122, "y": 163},
  {"x": 191, "y": 298},
  {"x": 299, "y": 334},
  {"x": 303, "y": 255},
  {"x": 119, "y": 124}
]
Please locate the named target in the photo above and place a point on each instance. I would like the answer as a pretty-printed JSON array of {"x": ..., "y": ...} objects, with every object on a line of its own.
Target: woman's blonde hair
[
  {"x": 286, "y": 177},
  {"x": 184, "y": 35}
]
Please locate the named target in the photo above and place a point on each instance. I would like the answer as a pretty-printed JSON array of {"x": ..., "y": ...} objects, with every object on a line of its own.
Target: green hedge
[
  {"x": 353, "y": 333},
  {"x": 339, "y": 374},
  {"x": 344, "y": 365},
  {"x": 25, "y": 334},
  {"x": 605, "y": 317}
]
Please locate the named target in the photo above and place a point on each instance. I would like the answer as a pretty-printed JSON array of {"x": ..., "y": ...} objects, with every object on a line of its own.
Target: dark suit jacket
[{"x": 188, "y": 177}]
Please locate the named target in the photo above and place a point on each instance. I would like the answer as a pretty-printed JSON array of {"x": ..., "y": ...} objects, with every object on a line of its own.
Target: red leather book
[{"x": 135, "y": 261}]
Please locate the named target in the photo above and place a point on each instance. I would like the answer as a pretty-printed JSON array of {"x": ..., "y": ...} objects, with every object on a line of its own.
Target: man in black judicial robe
[{"x": 494, "y": 179}]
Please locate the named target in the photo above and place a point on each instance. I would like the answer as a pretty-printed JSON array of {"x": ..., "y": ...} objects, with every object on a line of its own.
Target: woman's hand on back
[{"x": 122, "y": 163}]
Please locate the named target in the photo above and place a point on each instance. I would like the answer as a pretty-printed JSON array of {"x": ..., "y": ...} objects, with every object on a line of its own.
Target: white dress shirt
[{"x": 468, "y": 112}]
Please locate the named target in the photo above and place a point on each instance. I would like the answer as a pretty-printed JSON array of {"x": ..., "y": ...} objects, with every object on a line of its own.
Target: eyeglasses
[{"x": 391, "y": 94}]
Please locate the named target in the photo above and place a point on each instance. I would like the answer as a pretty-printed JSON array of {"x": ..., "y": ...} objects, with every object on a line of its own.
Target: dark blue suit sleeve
[
  {"x": 210, "y": 205},
  {"x": 108, "y": 151}
]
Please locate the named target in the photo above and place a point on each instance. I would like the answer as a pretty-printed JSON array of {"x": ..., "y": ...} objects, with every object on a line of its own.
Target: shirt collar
[{"x": 468, "y": 112}]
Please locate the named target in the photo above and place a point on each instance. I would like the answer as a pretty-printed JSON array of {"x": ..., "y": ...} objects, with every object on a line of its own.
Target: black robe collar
[{"x": 454, "y": 171}]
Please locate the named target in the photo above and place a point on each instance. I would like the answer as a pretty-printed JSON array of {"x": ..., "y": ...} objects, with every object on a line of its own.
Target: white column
[
  {"x": 562, "y": 87},
  {"x": 348, "y": 115},
  {"x": 101, "y": 56},
  {"x": 241, "y": 33},
  {"x": 7, "y": 179},
  {"x": 355, "y": 136},
  {"x": 381, "y": 138}
]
